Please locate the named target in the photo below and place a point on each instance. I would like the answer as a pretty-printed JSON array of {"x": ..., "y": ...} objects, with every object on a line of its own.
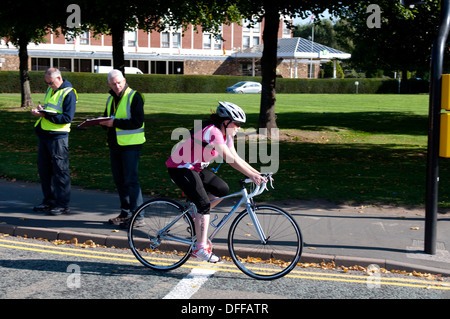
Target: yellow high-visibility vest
[
  {"x": 123, "y": 111},
  {"x": 54, "y": 102}
]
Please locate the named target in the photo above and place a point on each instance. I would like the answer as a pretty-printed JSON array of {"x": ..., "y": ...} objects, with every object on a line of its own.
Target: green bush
[
  {"x": 328, "y": 70},
  {"x": 157, "y": 83}
]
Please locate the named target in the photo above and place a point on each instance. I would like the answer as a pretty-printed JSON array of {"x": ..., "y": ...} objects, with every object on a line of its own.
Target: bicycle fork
[{"x": 251, "y": 211}]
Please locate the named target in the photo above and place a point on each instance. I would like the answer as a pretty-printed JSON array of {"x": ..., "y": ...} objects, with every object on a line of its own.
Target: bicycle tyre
[
  {"x": 278, "y": 256},
  {"x": 153, "y": 249}
]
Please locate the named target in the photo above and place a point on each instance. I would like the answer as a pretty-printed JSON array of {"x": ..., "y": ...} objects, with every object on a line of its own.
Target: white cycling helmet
[{"x": 231, "y": 111}]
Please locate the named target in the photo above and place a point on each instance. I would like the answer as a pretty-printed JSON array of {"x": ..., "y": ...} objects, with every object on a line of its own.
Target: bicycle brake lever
[{"x": 270, "y": 179}]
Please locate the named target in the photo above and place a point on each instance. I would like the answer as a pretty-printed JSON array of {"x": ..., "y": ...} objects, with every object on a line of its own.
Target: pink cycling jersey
[{"x": 193, "y": 154}]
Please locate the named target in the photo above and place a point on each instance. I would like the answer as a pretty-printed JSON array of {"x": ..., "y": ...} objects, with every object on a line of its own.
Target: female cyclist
[{"x": 187, "y": 168}]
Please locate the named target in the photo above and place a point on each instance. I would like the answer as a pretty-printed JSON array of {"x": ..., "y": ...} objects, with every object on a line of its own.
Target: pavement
[{"x": 391, "y": 237}]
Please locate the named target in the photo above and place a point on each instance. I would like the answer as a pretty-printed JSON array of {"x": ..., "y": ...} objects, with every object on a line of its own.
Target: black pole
[{"x": 432, "y": 182}]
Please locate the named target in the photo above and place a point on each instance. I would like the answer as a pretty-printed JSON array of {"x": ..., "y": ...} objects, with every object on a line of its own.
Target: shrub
[{"x": 157, "y": 83}]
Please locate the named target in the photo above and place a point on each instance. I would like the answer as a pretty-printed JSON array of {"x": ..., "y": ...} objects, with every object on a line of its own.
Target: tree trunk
[
  {"x": 24, "y": 76},
  {"x": 267, "y": 118},
  {"x": 117, "y": 32},
  {"x": 404, "y": 82}
]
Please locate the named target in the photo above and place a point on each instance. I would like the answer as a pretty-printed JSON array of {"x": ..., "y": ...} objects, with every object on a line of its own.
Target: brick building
[{"x": 168, "y": 52}]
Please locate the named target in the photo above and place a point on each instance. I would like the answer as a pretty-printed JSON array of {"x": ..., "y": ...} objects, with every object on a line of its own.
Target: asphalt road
[{"x": 42, "y": 270}]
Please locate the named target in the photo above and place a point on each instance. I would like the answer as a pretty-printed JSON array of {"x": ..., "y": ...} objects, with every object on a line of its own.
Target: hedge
[{"x": 156, "y": 83}]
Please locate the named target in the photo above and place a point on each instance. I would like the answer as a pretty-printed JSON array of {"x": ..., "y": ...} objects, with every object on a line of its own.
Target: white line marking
[{"x": 190, "y": 284}]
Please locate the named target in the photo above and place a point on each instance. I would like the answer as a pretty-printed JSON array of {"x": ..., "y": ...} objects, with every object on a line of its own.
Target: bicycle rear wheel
[
  {"x": 270, "y": 260},
  {"x": 165, "y": 238}
]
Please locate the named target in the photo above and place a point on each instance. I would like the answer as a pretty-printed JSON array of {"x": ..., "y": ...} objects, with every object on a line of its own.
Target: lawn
[{"x": 343, "y": 148}]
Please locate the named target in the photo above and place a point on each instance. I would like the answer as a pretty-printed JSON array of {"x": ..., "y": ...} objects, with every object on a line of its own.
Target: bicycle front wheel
[
  {"x": 160, "y": 235},
  {"x": 270, "y": 259}
]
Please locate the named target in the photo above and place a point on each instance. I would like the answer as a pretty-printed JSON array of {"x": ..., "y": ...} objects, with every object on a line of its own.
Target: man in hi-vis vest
[
  {"x": 125, "y": 137},
  {"x": 52, "y": 128}
]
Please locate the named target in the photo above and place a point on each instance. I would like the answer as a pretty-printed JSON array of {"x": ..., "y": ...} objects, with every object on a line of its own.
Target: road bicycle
[{"x": 264, "y": 241}]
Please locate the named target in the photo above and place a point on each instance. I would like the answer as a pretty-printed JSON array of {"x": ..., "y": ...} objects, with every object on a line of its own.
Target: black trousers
[
  {"x": 124, "y": 167},
  {"x": 53, "y": 168},
  {"x": 197, "y": 185}
]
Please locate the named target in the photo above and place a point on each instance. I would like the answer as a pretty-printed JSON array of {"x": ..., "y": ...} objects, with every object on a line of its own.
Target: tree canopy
[{"x": 402, "y": 41}]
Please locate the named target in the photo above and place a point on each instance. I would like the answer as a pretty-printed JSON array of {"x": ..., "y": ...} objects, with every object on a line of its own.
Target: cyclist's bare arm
[
  {"x": 239, "y": 164},
  {"x": 243, "y": 162}
]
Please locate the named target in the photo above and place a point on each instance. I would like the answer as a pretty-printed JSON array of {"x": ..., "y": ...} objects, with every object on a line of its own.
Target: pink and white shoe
[{"x": 205, "y": 254}]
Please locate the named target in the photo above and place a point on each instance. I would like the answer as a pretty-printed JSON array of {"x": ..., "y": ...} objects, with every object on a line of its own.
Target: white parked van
[{"x": 106, "y": 69}]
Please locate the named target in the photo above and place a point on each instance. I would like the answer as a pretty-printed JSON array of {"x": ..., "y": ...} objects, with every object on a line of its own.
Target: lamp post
[{"x": 432, "y": 180}]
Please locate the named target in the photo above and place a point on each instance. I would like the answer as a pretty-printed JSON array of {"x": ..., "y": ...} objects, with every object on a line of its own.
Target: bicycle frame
[{"x": 246, "y": 199}]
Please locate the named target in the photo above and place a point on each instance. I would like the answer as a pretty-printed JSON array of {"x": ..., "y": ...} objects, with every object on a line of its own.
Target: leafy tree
[
  {"x": 327, "y": 33},
  {"x": 21, "y": 24},
  {"x": 271, "y": 12},
  {"x": 402, "y": 42}
]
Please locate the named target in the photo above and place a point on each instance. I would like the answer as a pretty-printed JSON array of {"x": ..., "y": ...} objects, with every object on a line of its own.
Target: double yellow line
[{"x": 310, "y": 275}]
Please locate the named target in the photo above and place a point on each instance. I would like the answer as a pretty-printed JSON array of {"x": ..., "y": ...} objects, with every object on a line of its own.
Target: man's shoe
[
  {"x": 59, "y": 211},
  {"x": 205, "y": 254},
  {"x": 118, "y": 220},
  {"x": 42, "y": 208}
]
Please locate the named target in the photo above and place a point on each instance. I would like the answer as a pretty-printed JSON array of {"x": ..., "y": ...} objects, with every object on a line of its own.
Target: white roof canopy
[{"x": 296, "y": 48}]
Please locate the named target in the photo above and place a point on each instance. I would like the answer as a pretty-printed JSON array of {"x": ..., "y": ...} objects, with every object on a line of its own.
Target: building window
[
  {"x": 84, "y": 38},
  {"x": 70, "y": 37},
  {"x": 158, "y": 67},
  {"x": 257, "y": 27},
  {"x": 311, "y": 71},
  {"x": 210, "y": 41},
  {"x": 40, "y": 64},
  {"x": 161, "y": 67},
  {"x": 217, "y": 44},
  {"x": 176, "y": 67},
  {"x": 102, "y": 62},
  {"x": 246, "y": 26},
  {"x": 245, "y": 42},
  {"x": 82, "y": 65},
  {"x": 165, "y": 40},
  {"x": 176, "y": 40},
  {"x": 141, "y": 65},
  {"x": 286, "y": 31},
  {"x": 64, "y": 65},
  {"x": 132, "y": 38},
  {"x": 206, "y": 41},
  {"x": 255, "y": 41},
  {"x": 251, "y": 26}
]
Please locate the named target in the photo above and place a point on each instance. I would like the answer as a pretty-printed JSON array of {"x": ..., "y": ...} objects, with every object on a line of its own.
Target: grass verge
[{"x": 343, "y": 148}]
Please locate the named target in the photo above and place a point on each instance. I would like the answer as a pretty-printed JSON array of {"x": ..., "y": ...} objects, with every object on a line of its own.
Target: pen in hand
[{"x": 35, "y": 111}]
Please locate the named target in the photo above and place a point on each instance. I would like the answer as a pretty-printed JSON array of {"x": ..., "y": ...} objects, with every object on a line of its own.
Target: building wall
[
  {"x": 230, "y": 66},
  {"x": 192, "y": 43},
  {"x": 11, "y": 63}
]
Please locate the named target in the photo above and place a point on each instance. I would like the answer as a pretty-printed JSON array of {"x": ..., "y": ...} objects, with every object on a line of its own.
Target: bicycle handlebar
[{"x": 259, "y": 189}]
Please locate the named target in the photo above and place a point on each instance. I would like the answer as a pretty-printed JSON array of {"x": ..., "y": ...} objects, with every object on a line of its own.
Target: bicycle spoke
[
  {"x": 165, "y": 234},
  {"x": 271, "y": 259}
]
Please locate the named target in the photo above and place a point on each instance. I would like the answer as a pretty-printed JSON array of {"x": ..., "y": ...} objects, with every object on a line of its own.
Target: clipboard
[
  {"x": 93, "y": 122},
  {"x": 47, "y": 111}
]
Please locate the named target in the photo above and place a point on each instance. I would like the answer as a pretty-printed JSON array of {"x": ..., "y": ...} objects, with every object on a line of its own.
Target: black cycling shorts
[{"x": 197, "y": 185}]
